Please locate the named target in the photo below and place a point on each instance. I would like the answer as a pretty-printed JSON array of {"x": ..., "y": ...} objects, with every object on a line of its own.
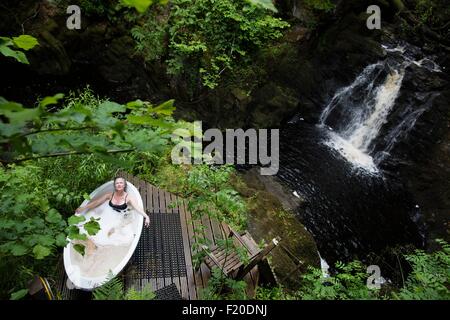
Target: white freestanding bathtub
[{"x": 113, "y": 259}]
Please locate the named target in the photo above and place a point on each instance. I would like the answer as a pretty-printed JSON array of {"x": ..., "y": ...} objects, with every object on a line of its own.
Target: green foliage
[
  {"x": 145, "y": 294},
  {"x": 428, "y": 280},
  {"x": 19, "y": 294},
  {"x": 220, "y": 288},
  {"x": 78, "y": 230},
  {"x": 81, "y": 249},
  {"x": 141, "y": 5},
  {"x": 24, "y": 42},
  {"x": 207, "y": 188},
  {"x": 321, "y": 5},
  {"x": 272, "y": 293},
  {"x": 207, "y": 38},
  {"x": 348, "y": 283},
  {"x": 116, "y": 11},
  {"x": 211, "y": 194},
  {"x": 267, "y": 4},
  {"x": 430, "y": 277},
  {"x": 429, "y": 15},
  {"x": 97, "y": 7},
  {"x": 433, "y": 13},
  {"x": 92, "y": 226},
  {"x": 150, "y": 37},
  {"x": 31, "y": 228},
  {"x": 103, "y": 128},
  {"x": 29, "y": 225},
  {"x": 113, "y": 289}
]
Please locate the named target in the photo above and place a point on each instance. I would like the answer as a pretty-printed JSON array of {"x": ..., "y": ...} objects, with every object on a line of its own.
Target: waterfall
[
  {"x": 357, "y": 113},
  {"x": 361, "y": 109},
  {"x": 363, "y": 133}
]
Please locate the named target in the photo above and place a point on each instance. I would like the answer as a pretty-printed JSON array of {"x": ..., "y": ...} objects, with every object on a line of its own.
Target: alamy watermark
[
  {"x": 375, "y": 280},
  {"x": 236, "y": 146},
  {"x": 73, "y": 22},
  {"x": 374, "y": 20}
]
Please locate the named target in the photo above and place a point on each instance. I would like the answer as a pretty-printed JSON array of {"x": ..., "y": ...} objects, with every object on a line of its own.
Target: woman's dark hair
[{"x": 119, "y": 177}]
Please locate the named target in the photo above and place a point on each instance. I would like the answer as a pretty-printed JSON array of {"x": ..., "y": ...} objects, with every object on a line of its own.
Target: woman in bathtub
[{"x": 115, "y": 226}]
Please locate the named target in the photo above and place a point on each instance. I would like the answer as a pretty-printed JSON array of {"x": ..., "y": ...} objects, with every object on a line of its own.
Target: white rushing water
[
  {"x": 357, "y": 113},
  {"x": 362, "y": 133},
  {"x": 365, "y": 118},
  {"x": 324, "y": 266}
]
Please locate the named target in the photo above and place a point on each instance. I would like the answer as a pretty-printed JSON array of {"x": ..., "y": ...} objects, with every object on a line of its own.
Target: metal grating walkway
[
  {"x": 169, "y": 292},
  {"x": 159, "y": 253}
]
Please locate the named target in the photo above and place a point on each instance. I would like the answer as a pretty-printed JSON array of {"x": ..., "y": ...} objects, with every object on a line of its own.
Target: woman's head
[{"x": 120, "y": 184}]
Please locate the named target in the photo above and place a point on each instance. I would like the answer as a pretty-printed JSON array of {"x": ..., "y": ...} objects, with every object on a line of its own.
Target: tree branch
[
  {"x": 61, "y": 154},
  {"x": 55, "y": 129}
]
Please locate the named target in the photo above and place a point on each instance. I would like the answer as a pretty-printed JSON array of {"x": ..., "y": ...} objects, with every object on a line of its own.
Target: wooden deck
[{"x": 189, "y": 286}]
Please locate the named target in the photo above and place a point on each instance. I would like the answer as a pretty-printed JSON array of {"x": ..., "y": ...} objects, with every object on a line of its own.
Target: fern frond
[
  {"x": 145, "y": 294},
  {"x": 111, "y": 290}
]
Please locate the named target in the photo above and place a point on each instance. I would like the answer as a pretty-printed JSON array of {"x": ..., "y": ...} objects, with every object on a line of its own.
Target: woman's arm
[
  {"x": 94, "y": 203},
  {"x": 139, "y": 209}
]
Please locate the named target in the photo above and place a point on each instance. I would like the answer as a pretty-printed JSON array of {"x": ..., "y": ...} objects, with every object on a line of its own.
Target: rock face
[
  {"x": 422, "y": 158},
  {"x": 271, "y": 214},
  {"x": 101, "y": 55}
]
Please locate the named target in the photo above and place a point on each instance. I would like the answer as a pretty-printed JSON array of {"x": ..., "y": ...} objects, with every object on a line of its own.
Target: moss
[{"x": 267, "y": 219}]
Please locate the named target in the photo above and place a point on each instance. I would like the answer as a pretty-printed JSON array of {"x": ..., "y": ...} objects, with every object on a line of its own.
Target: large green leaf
[
  {"x": 53, "y": 216},
  {"x": 74, "y": 234},
  {"x": 61, "y": 240},
  {"x": 136, "y": 104},
  {"x": 146, "y": 140},
  {"x": 18, "y": 249},
  {"x": 92, "y": 227},
  {"x": 78, "y": 114},
  {"x": 47, "y": 143},
  {"x": 16, "y": 113},
  {"x": 19, "y": 294},
  {"x": 6, "y": 105},
  {"x": 18, "y": 55},
  {"x": 34, "y": 222},
  {"x": 46, "y": 240},
  {"x": 79, "y": 248},
  {"x": 76, "y": 219},
  {"x": 40, "y": 252},
  {"x": 103, "y": 115},
  {"x": 165, "y": 108},
  {"x": 25, "y": 42},
  {"x": 8, "y": 130},
  {"x": 108, "y": 107},
  {"x": 51, "y": 100},
  {"x": 6, "y": 41}
]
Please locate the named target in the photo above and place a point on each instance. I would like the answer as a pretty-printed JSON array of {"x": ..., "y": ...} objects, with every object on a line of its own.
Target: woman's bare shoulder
[{"x": 107, "y": 195}]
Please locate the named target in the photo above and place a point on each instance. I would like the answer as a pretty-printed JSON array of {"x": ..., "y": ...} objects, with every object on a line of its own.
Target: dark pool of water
[{"x": 350, "y": 213}]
